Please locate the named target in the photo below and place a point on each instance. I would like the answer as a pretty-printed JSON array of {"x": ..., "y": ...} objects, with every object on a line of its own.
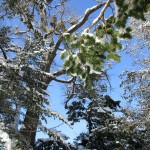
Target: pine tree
[
  {"x": 135, "y": 82},
  {"x": 105, "y": 131}
]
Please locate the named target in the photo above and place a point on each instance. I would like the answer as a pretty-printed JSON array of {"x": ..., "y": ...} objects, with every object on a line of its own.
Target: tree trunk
[
  {"x": 90, "y": 129},
  {"x": 31, "y": 122},
  {"x": 29, "y": 130}
]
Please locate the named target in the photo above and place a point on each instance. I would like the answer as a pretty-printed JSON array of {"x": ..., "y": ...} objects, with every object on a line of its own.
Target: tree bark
[
  {"x": 29, "y": 130},
  {"x": 31, "y": 122},
  {"x": 90, "y": 129}
]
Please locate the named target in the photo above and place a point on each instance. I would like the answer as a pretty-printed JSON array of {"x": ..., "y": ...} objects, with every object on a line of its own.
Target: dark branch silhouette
[{"x": 4, "y": 54}]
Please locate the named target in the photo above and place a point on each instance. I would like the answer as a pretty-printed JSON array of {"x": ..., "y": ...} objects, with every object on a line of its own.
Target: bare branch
[
  {"x": 104, "y": 72},
  {"x": 64, "y": 81},
  {"x": 72, "y": 92},
  {"x": 4, "y": 54},
  {"x": 57, "y": 126},
  {"x": 51, "y": 77},
  {"x": 60, "y": 72}
]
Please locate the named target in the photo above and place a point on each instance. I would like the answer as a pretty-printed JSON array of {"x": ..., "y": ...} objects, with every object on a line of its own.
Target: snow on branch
[
  {"x": 56, "y": 135},
  {"x": 60, "y": 72},
  {"x": 99, "y": 16},
  {"x": 64, "y": 81},
  {"x": 54, "y": 75},
  {"x": 88, "y": 12}
]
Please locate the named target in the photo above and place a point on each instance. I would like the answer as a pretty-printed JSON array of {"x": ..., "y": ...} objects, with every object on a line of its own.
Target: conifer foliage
[{"x": 105, "y": 131}]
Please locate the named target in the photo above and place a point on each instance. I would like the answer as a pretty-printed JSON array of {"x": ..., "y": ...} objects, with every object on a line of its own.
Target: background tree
[
  {"x": 136, "y": 82},
  {"x": 104, "y": 130}
]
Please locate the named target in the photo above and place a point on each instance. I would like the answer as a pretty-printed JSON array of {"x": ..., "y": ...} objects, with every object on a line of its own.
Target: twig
[
  {"x": 57, "y": 126},
  {"x": 5, "y": 56},
  {"x": 63, "y": 81}
]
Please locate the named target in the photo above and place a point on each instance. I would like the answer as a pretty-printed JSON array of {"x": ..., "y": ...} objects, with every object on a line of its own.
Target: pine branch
[{"x": 76, "y": 27}]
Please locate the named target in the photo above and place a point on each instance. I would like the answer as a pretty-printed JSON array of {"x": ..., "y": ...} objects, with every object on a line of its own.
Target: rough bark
[
  {"x": 29, "y": 132},
  {"x": 31, "y": 121}
]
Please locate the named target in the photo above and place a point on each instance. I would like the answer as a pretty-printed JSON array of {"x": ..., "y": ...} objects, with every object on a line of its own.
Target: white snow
[
  {"x": 27, "y": 88},
  {"x": 80, "y": 147},
  {"x": 95, "y": 20},
  {"x": 95, "y": 118},
  {"x": 89, "y": 9},
  {"x": 66, "y": 34},
  {"x": 101, "y": 110},
  {"x": 141, "y": 128},
  {"x": 71, "y": 28},
  {"x": 9, "y": 144},
  {"x": 115, "y": 127},
  {"x": 92, "y": 71},
  {"x": 87, "y": 34},
  {"x": 37, "y": 52},
  {"x": 97, "y": 40},
  {"x": 108, "y": 109}
]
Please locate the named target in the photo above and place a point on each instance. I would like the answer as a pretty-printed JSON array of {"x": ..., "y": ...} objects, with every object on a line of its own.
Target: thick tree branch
[
  {"x": 72, "y": 93},
  {"x": 104, "y": 72},
  {"x": 84, "y": 19},
  {"x": 99, "y": 17},
  {"x": 60, "y": 72},
  {"x": 51, "y": 77}
]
